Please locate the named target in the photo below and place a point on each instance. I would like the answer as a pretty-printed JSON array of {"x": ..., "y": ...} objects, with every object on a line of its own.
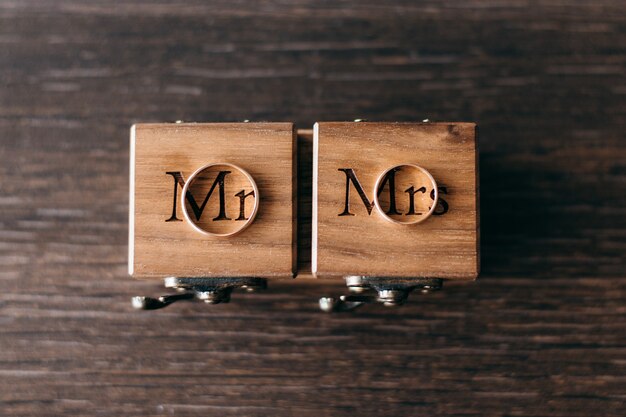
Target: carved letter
[
  {"x": 351, "y": 176},
  {"x": 178, "y": 180},
  {"x": 242, "y": 203},
  {"x": 440, "y": 201},
  {"x": 411, "y": 191},
  {"x": 197, "y": 211}
]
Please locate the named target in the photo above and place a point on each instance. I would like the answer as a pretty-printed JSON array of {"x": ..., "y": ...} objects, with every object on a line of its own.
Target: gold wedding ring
[
  {"x": 226, "y": 184},
  {"x": 422, "y": 194}
]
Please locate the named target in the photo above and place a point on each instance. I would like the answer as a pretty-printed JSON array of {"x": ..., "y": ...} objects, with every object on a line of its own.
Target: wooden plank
[{"x": 541, "y": 333}]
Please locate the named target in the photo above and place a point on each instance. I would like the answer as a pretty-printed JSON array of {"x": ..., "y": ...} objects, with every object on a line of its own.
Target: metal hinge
[
  {"x": 208, "y": 290},
  {"x": 386, "y": 290}
]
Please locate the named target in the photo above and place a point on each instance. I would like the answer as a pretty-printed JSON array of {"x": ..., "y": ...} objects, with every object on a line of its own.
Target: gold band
[
  {"x": 419, "y": 219},
  {"x": 191, "y": 179}
]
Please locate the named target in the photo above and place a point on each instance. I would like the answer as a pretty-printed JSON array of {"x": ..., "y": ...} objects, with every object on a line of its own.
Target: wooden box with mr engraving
[
  {"x": 396, "y": 200},
  {"x": 212, "y": 200}
]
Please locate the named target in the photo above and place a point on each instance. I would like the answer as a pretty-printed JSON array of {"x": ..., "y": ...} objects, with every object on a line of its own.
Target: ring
[
  {"x": 420, "y": 180},
  {"x": 219, "y": 181}
]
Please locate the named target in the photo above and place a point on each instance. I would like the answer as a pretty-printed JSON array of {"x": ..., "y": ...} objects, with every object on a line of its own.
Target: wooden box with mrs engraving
[{"x": 396, "y": 200}]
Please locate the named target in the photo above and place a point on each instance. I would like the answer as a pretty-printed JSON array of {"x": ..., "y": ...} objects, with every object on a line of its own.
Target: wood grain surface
[
  {"x": 542, "y": 332},
  {"x": 160, "y": 248},
  {"x": 363, "y": 242}
]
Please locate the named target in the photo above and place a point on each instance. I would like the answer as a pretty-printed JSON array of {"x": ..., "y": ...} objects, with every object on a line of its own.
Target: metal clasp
[
  {"x": 388, "y": 291},
  {"x": 208, "y": 290}
]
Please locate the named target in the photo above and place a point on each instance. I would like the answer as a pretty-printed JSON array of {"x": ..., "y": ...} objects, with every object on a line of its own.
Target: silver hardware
[
  {"x": 388, "y": 291},
  {"x": 208, "y": 290}
]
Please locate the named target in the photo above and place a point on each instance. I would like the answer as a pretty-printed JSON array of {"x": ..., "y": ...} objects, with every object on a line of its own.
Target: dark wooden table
[{"x": 543, "y": 331}]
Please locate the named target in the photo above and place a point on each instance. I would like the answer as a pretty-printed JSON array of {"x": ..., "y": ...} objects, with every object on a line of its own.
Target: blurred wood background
[{"x": 542, "y": 332}]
